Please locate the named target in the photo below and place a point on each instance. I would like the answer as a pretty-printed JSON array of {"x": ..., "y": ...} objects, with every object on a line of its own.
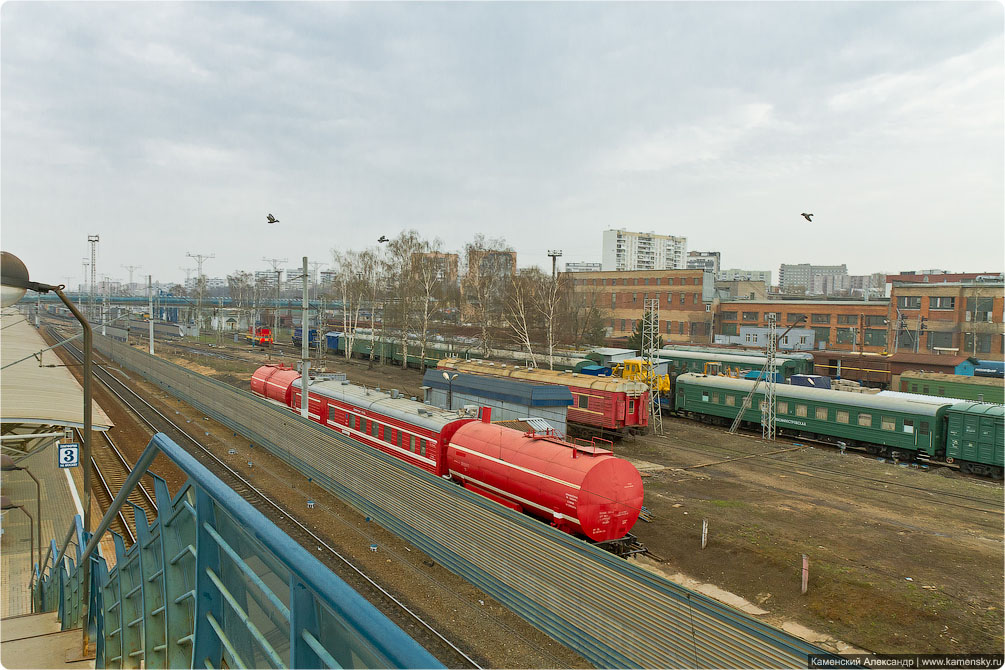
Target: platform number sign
[{"x": 69, "y": 455}]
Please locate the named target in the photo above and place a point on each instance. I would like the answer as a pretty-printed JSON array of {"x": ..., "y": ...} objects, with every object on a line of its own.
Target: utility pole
[
  {"x": 275, "y": 311},
  {"x": 86, "y": 263},
  {"x": 650, "y": 343},
  {"x": 150, "y": 309},
  {"x": 305, "y": 357},
  {"x": 199, "y": 258},
  {"x": 315, "y": 266},
  {"x": 93, "y": 241},
  {"x": 768, "y": 409},
  {"x": 131, "y": 268},
  {"x": 554, "y": 253}
]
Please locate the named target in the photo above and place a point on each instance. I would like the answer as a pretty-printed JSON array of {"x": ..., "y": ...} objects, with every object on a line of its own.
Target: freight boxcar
[
  {"x": 964, "y": 387},
  {"x": 608, "y": 405},
  {"x": 976, "y": 438}
]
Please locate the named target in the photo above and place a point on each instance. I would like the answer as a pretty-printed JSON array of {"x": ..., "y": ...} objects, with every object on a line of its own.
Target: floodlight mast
[{"x": 554, "y": 253}]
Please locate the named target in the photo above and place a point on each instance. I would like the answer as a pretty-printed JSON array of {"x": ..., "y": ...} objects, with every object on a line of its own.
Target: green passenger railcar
[
  {"x": 975, "y": 438},
  {"x": 803, "y": 361},
  {"x": 694, "y": 361},
  {"x": 888, "y": 426},
  {"x": 959, "y": 387}
]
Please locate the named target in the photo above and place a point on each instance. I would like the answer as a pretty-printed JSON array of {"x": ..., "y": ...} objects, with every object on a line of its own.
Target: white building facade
[
  {"x": 734, "y": 274},
  {"x": 626, "y": 251},
  {"x": 583, "y": 267}
]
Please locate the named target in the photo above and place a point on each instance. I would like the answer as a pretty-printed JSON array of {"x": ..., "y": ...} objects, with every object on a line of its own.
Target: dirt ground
[{"x": 901, "y": 560}]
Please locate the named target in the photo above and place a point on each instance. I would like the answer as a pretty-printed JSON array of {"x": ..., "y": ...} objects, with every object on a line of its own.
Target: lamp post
[
  {"x": 9, "y": 466},
  {"x": 6, "y": 504},
  {"x": 450, "y": 389},
  {"x": 15, "y": 282}
]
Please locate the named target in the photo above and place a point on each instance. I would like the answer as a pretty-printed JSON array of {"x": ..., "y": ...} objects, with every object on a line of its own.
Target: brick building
[
  {"x": 850, "y": 325},
  {"x": 686, "y": 300},
  {"x": 960, "y": 318}
]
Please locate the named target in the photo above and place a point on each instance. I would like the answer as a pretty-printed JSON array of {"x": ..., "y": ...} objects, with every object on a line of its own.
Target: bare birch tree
[
  {"x": 350, "y": 288},
  {"x": 489, "y": 271},
  {"x": 520, "y": 310},
  {"x": 401, "y": 252}
]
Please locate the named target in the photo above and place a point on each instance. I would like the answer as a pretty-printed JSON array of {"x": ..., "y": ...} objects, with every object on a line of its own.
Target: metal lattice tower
[
  {"x": 275, "y": 262},
  {"x": 93, "y": 241},
  {"x": 199, "y": 258},
  {"x": 131, "y": 268},
  {"x": 650, "y": 345},
  {"x": 768, "y": 406}
]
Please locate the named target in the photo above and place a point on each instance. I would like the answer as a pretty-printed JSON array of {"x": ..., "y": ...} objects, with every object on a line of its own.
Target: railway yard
[{"x": 901, "y": 559}]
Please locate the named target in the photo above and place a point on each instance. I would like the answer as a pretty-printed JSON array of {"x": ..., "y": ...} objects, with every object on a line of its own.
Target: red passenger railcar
[
  {"x": 584, "y": 490},
  {"x": 610, "y": 405}
]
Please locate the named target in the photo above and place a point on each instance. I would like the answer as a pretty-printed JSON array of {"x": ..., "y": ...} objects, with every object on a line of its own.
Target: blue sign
[{"x": 68, "y": 455}]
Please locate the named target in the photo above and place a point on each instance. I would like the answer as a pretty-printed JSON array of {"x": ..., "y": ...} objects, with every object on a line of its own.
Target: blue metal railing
[{"x": 212, "y": 582}]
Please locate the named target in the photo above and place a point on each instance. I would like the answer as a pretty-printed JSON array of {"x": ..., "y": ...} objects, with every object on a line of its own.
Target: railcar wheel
[
  {"x": 966, "y": 468},
  {"x": 996, "y": 474}
]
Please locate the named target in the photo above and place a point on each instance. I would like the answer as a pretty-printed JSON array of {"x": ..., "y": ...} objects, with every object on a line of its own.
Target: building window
[
  {"x": 793, "y": 317},
  {"x": 729, "y": 329},
  {"x": 622, "y": 324},
  {"x": 694, "y": 298},
  {"x": 646, "y": 281},
  {"x": 941, "y": 340},
  {"x": 941, "y": 302},
  {"x": 845, "y": 335},
  {"x": 841, "y": 416},
  {"x": 847, "y": 319},
  {"x": 822, "y": 334},
  {"x": 750, "y": 316},
  {"x": 876, "y": 338},
  {"x": 697, "y": 281},
  {"x": 909, "y": 302},
  {"x": 669, "y": 281},
  {"x": 888, "y": 423},
  {"x": 680, "y": 327},
  {"x": 983, "y": 343},
  {"x": 820, "y": 318},
  {"x": 747, "y": 337},
  {"x": 875, "y": 320},
  {"x": 635, "y": 298},
  {"x": 865, "y": 420},
  {"x": 728, "y": 316}
]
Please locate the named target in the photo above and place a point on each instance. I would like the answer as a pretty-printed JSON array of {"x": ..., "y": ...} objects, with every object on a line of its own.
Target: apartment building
[
  {"x": 703, "y": 260},
  {"x": 734, "y": 274},
  {"x": 798, "y": 278},
  {"x": 627, "y": 251}
]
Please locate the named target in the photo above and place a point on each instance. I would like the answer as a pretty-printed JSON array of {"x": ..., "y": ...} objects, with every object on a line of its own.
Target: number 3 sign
[{"x": 69, "y": 455}]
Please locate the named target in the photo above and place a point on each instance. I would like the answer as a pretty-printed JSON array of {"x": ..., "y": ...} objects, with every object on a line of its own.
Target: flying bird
[
  {"x": 808, "y": 217},
  {"x": 382, "y": 239},
  {"x": 271, "y": 219}
]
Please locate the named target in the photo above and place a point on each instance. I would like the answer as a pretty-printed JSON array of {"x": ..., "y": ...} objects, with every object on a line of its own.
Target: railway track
[
  {"x": 434, "y": 641},
  {"x": 775, "y": 461},
  {"x": 111, "y": 468}
]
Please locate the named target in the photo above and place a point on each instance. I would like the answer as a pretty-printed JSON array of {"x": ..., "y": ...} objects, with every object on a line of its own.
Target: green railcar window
[
  {"x": 801, "y": 410},
  {"x": 730, "y": 400},
  {"x": 821, "y": 413},
  {"x": 909, "y": 426},
  {"x": 704, "y": 396},
  {"x": 782, "y": 407},
  {"x": 942, "y": 391},
  {"x": 924, "y": 428},
  {"x": 887, "y": 423},
  {"x": 865, "y": 420},
  {"x": 914, "y": 388},
  {"x": 715, "y": 398},
  {"x": 841, "y": 416}
]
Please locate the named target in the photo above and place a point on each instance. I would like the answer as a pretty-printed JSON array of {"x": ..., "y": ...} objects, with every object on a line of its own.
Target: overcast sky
[{"x": 169, "y": 128}]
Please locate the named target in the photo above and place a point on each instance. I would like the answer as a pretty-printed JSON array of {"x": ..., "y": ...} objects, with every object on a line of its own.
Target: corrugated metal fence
[{"x": 614, "y": 613}]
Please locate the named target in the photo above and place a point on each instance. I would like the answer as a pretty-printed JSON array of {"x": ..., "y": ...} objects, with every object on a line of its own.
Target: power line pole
[
  {"x": 150, "y": 307},
  {"x": 305, "y": 358},
  {"x": 93, "y": 241},
  {"x": 650, "y": 344},
  {"x": 131, "y": 268},
  {"x": 86, "y": 263},
  {"x": 768, "y": 408},
  {"x": 275, "y": 311},
  {"x": 199, "y": 258},
  {"x": 554, "y": 253},
  {"x": 315, "y": 266}
]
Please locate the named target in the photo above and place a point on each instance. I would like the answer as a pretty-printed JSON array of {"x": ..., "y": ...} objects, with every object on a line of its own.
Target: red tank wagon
[{"x": 583, "y": 490}]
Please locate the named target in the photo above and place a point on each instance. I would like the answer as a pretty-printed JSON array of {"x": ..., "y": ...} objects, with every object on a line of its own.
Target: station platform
[{"x": 35, "y": 641}]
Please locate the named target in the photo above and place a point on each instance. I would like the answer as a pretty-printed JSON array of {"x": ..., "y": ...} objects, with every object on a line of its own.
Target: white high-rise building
[
  {"x": 624, "y": 250},
  {"x": 735, "y": 274}
]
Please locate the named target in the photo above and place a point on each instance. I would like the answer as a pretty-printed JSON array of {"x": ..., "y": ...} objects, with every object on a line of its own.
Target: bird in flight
[
  {"x": 382, "y": 239},
  {"x": 808, "y": 217},
  {"x": 271, "y": 219}
]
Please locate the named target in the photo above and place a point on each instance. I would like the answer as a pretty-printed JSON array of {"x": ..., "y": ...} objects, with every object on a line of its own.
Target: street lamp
[
  {"x": 8, "y": 466},
  {"x": 450, "y": 389},
  {"x": 6, "y": 504},
  {"x": 14, "y": 282}
]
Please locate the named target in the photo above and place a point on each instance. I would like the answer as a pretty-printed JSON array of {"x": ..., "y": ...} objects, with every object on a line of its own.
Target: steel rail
[
  {"x": 571, "y": 590},
  {"x": 263, "y": 498}
]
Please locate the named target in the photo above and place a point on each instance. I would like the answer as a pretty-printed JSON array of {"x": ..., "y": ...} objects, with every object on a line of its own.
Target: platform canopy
[{"x": 38, "y": 396}]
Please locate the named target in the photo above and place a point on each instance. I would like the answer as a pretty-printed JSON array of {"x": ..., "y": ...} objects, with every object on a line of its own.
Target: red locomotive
[
  {"x": 258, "y": 336},
  {"x": 608, "y": 405},
  {"x": 580, "y": 489}
]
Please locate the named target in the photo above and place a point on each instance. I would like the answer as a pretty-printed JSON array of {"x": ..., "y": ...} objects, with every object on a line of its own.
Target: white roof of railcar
[
  {"x": 864, "y": 400},
  {"x": 919, "y": 397},
  {"x": 756, "y": 361},
  {"x": 563, "y": 377},
  {"x": 372, "y": 400}
]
